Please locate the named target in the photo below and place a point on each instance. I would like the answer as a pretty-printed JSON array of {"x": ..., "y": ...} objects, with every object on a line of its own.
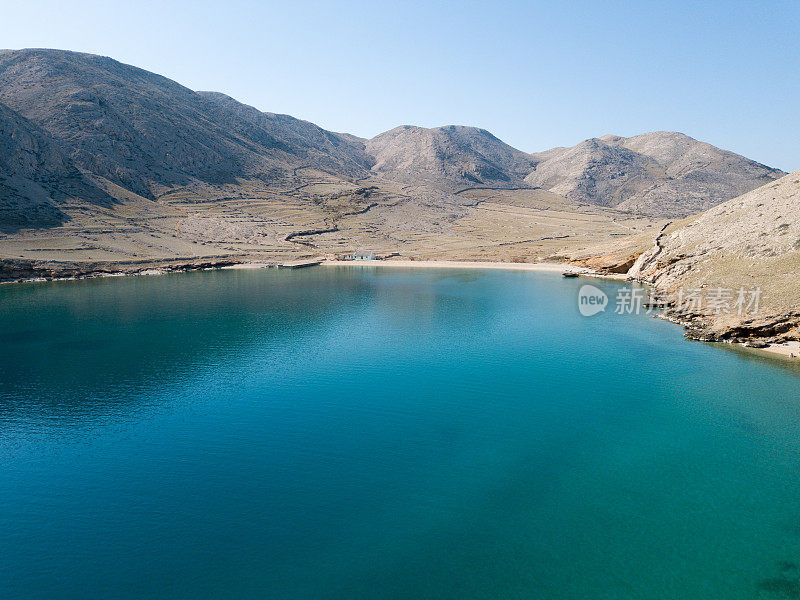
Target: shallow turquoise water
[{"x": 346, "y": 433}]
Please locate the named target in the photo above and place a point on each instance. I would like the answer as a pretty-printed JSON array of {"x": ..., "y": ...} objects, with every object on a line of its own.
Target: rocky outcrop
[
  {"x": 24, "y": 269},
  {"x": 746, "y": 249}
]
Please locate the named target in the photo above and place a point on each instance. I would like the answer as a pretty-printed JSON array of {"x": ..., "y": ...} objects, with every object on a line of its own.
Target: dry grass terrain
[{"x": 319, "y": 214}]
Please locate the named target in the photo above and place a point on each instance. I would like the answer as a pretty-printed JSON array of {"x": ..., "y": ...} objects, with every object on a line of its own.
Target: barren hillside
[
  {"x": 662, "y": 174},
  {"x": 454, "y": 156},
  {"x": 145, "y": 132},
  {"x": 36, "y": 178},
  {"x": 107, "y": 167},
  {"x": 749, "y": 243}
]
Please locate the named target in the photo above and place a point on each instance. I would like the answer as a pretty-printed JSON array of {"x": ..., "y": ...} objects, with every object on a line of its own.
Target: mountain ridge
[
  {"x": 149, "y": 134},
  {"x": 137, "y": 129},
  {"x": 450, "y": 154},
  {"x": 658, "y": 173}
]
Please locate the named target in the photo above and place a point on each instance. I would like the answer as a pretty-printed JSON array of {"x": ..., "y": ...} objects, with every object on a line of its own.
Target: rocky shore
[
  {"x": 19, "y": 270},
  {"x": 769, "y": 328},
  {"x": 758, "y": 332},
  {"x": 748, "y": 247}
]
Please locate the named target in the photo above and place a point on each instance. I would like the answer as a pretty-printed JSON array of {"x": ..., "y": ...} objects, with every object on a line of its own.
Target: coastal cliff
[{"x": 738, "y": 263}]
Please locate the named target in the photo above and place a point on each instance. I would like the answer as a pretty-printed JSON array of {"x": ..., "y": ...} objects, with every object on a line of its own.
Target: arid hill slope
[
  {"x": 452, "y": 156},
  {"x": 149, "y": 135},
  {"x": 145, "y": 132},
  {"x": 36, "y": 177},
  {"x": 338, "y": 153},
  {"x": 663, "y": 174},
  {"x": 749, "y": 243}
]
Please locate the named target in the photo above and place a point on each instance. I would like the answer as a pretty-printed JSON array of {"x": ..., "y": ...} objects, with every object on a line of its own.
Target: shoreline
[
  {"x": 455, "y": 264},
  {"x": 44, "y": 272},
  {"x": 785, "y": 350},
  {"x": 781, "y": 351},
  {"x": 789, "y": 350},
  {"x": 33, "y": 271}
]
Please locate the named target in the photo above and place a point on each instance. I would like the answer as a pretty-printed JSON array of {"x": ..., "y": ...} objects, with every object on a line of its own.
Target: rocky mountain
[
  {"x": 751, "y": 242},
  {"x": 149, "y": 134},
  {"x": 453, "y": 156},
  {"x": 660, "y": 174},
  {"x": 663, "y": 174},
  {"x": 36, "y": 176},
  {"x": 143, "y": 168},
  {"x": 333, "y": 152},
  {"x": 144, "y": 132}
]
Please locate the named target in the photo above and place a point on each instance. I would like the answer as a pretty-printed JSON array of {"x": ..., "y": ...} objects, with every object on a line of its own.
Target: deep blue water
[{"x": 357, "y": 433}]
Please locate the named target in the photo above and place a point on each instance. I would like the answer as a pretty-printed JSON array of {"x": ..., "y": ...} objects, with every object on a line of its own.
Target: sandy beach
[
  {"x": 455, "y": 264},
  {"x": 434, "y": 264},
  {"x": 251, "y": 265},
  {"x": 787, "y": 349}
]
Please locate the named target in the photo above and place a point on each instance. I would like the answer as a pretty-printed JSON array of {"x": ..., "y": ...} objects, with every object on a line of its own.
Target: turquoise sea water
[{"x": 357, "y": 433}]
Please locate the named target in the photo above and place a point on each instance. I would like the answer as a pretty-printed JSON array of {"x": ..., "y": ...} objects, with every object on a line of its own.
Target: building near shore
[{"x": 359, "y": 256}]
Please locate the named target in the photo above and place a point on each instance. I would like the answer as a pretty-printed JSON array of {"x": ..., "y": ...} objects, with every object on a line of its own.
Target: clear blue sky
[{"x": 537, "y": 75}]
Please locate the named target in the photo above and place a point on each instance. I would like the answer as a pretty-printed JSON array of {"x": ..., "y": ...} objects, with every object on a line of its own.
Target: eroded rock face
[{"x": 27, "y": 152}]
